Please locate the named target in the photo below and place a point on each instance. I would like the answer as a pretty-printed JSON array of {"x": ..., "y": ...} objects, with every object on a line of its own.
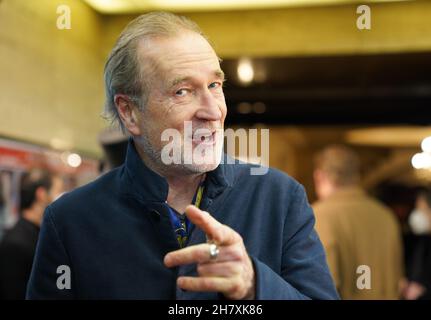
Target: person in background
[
  {"x": 37, "y": 190},
  {"x": 114, "y": 144},
  {"x": 356, "y": 230},
  {"x": 2, "y": 210},
  {"x": 419, "y": 277}
]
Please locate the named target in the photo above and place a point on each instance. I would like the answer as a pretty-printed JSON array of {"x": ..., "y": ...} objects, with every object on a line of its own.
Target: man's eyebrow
[
  {"x": 179, "y": 80},
  {"x": 218, "y": 73}
]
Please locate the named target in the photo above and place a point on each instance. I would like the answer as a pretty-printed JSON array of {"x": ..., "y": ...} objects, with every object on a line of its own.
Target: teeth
[{"x": 202, "y": 136}]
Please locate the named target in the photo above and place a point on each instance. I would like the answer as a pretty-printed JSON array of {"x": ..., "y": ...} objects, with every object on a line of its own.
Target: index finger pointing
[{"x": 216, "y": 231}]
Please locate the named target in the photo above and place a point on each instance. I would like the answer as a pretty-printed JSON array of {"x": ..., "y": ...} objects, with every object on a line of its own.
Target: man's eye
[
  {"x": 181, "y": 92},
  {"x": 214, "y": 85}
]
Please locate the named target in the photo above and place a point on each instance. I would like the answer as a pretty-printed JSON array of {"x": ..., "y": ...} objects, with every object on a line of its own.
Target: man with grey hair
[{"x": 133, "y": 232}]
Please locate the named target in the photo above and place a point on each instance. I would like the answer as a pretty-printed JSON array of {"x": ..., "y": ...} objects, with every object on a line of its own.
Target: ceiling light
[
  {"x": 139, "y": 6},
  {"x": 245, "y": 71},
  {"x": 421, "y": 161},
  {"x": 426, "y": 144},
  {"x": 243, "y": 108},
  {"x": 259, "y": 107},
  {"x": 74, "y": 160}
]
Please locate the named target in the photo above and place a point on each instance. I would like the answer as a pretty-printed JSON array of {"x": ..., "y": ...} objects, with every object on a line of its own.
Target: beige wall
[
  {"x": 396, "y": 27},
  {"x": 50, "y": 79}
]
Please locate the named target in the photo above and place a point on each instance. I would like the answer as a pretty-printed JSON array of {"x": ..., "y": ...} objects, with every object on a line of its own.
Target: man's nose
[{"x": 209, "y": 107}]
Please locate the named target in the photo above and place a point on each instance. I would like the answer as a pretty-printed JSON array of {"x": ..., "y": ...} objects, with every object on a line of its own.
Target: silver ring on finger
[{"x": 213, "y": 251}]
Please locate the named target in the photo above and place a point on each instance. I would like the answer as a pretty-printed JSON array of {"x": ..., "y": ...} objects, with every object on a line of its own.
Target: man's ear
[{"x": 128, "y": 113}]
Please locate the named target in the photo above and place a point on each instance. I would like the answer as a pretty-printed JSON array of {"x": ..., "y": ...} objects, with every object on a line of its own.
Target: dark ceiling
[{"x": 357, "y": 89}]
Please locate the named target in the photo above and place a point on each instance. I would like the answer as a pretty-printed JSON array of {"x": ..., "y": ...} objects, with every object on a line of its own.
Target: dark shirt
[{"x": 16, "y": 258}]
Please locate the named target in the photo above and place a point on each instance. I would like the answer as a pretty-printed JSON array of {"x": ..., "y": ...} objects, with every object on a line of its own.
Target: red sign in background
[{"x": 18, "y": 157}]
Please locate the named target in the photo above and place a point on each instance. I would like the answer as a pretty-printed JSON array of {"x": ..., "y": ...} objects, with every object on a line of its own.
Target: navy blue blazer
[{"x": 114, "y": 233}]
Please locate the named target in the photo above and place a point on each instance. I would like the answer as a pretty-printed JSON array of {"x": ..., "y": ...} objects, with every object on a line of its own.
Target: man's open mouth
[{"x": 205, "y": 138}]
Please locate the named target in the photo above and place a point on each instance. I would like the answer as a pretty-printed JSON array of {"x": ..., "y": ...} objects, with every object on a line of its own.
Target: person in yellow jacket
[{"x": 361, "y": 236}]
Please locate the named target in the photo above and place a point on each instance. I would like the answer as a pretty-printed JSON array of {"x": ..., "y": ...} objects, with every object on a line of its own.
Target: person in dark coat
[
  {"x": 419, "y": 265},
  {"x": 37, "y": 190},
  {"x": 133, "y": 233}
]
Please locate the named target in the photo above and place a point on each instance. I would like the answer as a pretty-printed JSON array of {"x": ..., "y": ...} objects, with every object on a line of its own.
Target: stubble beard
[{"x": 153, "y": 155}]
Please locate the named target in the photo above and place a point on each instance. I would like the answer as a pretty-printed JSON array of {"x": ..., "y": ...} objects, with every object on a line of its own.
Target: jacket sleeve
[
  {"x": 304, "y": 272},
  {"x": 46, "y": 279}
]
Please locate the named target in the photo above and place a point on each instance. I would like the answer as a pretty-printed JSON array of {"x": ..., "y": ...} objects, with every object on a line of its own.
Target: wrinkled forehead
[{"x": 182, "y": 55}]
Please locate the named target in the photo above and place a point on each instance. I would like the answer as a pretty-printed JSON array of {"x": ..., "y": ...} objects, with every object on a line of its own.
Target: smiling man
[{"x": 197, "y": 228}]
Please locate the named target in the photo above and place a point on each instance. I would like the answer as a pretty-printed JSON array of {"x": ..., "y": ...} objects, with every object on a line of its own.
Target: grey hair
[{"x": 123, "y": 74}]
